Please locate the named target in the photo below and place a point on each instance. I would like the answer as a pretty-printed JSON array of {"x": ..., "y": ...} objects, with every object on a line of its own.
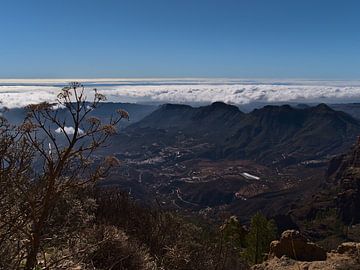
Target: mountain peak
[
  {"x": 322, "y": 107},
  {"x": 222, "y": 105},
  {"x": 274, "y": 109}
]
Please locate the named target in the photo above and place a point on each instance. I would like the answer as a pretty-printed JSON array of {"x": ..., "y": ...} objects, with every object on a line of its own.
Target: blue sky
[{"x": 187, "y": 38}]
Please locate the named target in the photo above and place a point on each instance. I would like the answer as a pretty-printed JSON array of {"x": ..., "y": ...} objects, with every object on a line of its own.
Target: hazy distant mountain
[
  {"x": 351, "y": 108},
  {"x": 103, "y": 112}
]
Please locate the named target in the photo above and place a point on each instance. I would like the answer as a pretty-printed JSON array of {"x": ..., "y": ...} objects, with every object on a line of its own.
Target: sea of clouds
[{"x": 20, "y": 92}]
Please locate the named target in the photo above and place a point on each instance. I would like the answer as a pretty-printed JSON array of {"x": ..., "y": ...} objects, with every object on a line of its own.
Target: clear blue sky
[{"x": 180, "y": 38}]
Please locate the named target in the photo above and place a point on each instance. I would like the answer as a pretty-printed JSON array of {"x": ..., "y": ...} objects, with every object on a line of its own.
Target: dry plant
[{"x": 44, "y": 163}]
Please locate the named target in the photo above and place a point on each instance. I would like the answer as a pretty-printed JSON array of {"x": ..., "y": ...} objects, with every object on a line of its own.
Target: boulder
[
  {"x": 294, "y": 245},
  {"x": 351, "y": 248},
  {"x": 347, "y": 255}
]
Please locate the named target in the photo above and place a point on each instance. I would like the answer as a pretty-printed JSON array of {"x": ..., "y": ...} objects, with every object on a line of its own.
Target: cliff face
[
  {"x": 339, "y": 193},
  {"x": 344, "y": 173},
  {"x": 332, "y": 214}
]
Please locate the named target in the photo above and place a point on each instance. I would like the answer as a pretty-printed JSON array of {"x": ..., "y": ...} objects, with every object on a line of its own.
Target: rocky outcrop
[
  {"x": 294, "y": 245},
  {"x": 347, "y": 256}
]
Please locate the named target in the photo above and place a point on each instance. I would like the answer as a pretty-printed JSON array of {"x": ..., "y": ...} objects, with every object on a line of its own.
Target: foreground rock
[
  {"x": 334, "y": 261},
  {"x": 293, "y": 251},
  {"x": 350, "y": 248},
  {"x": 294, "y": 245}
]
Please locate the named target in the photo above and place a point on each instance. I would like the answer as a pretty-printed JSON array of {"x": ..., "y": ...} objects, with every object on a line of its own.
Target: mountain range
[{"x": 278, "y": 135}]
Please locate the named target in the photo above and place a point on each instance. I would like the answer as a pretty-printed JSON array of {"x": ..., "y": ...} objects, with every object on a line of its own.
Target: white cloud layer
[
  {"x": 68, "y": 130},
  {"x": 18, "y": 93}
]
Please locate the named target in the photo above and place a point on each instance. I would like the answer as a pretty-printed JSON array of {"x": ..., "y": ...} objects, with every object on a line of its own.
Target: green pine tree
[
  {"x": 233, "y": 232},
  {"x": 262, "y": 232}
]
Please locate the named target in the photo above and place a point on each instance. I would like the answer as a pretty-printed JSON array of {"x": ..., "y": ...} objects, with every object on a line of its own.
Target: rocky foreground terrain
[{"x": 294, "y": 251}]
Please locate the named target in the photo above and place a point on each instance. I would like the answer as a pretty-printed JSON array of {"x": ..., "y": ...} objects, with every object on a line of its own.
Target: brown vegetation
[{"x": 42, "y": 175}]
